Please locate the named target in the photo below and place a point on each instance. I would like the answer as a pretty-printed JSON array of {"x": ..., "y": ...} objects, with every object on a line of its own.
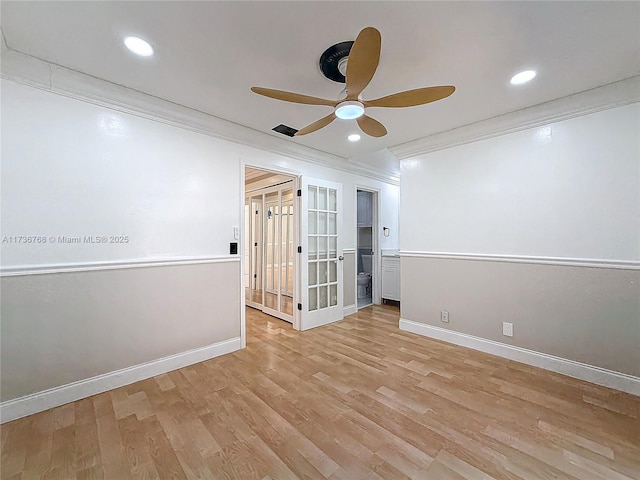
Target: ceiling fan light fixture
[
  {"x": 354, "y": 137},
  {"x": 523, "y": 77},
  {"x": 357, "y": 61},
  {"x": 349, "y": 110},
  {"x": 139, "y": 46}
]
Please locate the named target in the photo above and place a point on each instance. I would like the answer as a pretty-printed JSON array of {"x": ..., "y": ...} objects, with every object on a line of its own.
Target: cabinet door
[{"x": 391, "y": 282}]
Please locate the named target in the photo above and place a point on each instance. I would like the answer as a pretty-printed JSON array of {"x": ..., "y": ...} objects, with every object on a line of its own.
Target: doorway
[
  {"x": 269, "y": 242},
  {"x": 366, "y": 220}
]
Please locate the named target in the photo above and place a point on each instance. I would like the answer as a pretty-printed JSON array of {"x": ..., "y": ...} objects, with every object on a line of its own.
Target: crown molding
[
  {"x": 37, "y": 73},
  {"x": 613, "y": 95},
  {"x": 392, "y": 177},
  {"x": 34, "y": 72}
]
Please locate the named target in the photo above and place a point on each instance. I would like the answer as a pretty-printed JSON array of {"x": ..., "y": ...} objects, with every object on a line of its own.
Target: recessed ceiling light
[
  {"x": 354, "y": 137},
  {"x": 139, "y": 46},
  {"x": 349, "y": 110},
  {"x": 523, "y": 77}
]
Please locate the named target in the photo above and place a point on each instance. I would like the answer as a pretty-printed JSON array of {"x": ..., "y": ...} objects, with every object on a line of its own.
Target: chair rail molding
[
  {"x": 565, "y": 261},
  {"x": 45, "y": 269}
]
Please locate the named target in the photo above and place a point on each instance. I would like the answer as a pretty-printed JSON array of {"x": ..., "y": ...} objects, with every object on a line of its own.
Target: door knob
[{"x": 340, "y": 258}]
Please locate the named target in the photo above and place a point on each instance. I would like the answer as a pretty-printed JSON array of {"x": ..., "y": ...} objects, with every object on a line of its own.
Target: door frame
[
  {"x": 376, "y": 281},
  {"x": 297, "y": 182}
]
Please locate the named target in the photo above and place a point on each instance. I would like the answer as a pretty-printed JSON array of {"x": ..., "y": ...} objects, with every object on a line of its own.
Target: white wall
[
  {"x": 72, "y": 168},
  {"x": 532, "y": 228},
  {"x": 568, "y": 189}
]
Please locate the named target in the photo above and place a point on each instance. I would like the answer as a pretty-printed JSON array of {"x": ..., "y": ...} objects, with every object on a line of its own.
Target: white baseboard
[
  {"x": 350, "y": 310},
  {"x": 54, "y": 397},
  {"x": 589, "y": 373}
]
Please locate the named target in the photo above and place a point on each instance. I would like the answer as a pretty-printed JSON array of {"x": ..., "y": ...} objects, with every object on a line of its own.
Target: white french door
[
  {"x": 269, "y": 250},
  {"x": 321, "y": 262}
]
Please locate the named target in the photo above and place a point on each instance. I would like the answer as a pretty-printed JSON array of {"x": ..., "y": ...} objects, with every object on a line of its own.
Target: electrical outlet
[
  {"x": 444, "y": 316},
  {"x": 507, "y": 329}
]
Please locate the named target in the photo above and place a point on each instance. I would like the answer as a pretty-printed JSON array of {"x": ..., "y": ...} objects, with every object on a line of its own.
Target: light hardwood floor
[{"x": 354, "y": 400}]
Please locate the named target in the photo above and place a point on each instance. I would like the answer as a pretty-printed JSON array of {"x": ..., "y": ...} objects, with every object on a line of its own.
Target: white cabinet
[{"x": 391, "y": 278}]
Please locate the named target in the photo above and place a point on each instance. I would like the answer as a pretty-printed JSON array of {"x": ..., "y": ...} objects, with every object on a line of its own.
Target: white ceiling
[{"x": 209, "y": 54}]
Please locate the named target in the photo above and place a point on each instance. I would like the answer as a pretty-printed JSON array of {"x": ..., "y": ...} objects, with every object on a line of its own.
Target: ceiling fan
[{"x": 362, "y": 63}]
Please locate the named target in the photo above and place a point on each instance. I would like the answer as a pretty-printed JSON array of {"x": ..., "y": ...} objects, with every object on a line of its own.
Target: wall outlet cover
[
  {"x": 444, "y": 316},
  {"x": 507, "y": 329}
]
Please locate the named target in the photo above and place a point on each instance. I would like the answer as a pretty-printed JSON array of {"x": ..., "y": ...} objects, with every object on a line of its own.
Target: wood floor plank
[
  {"x": 354, "y": 400},
  {"x": 14, "y": 450},
  {"x": 163, "y": 456},
  {"x": 112, "y": 450}
]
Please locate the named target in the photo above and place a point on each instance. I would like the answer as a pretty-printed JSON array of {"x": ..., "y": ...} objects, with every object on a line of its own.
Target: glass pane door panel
[
  {"x": 247, "y": 251},
  {"x": 322, "y": 223},
  {"x": 333, "y": 203},
  {"x": 313, "y": 194},
  {"x": 287, "y": 244},
  {"x": 313, "y": 222},
  {"x": 322, "y": 272},
  {"x": 333, "y": 224},
  {"x": 271, "y": 300},
  {"x": 286, "y": 305},
  {"x": 322, "y": 300},
  {"x": 313, "y": 298},
  {"x": 322, "y": 247},
  {"x": 333, "y": 271},
  {"x": 272, "y": 246},
  {"x": 269, "y": 227},
  {"x": 255, "y": 237},
  {"x": 322, "y": 199},
  {"x": 313, "y": 248},
  {"x": 333, "y": 247},
  {"x": 313, "y": 273},
  {"x": 333, "y": 295}
]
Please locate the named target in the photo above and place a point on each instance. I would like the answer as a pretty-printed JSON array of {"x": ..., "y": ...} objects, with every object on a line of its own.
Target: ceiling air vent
[{"x": 283, "y": 129}]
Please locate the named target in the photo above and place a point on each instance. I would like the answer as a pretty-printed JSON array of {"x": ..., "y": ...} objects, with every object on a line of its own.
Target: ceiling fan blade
[
  {"x": 411, "y": 98},
  {"x": 317, "y": 125},
  {"x": 292, "y": 97},
  {"x": 363, "y": 61},
  {"x": 371, "y": 126}
]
